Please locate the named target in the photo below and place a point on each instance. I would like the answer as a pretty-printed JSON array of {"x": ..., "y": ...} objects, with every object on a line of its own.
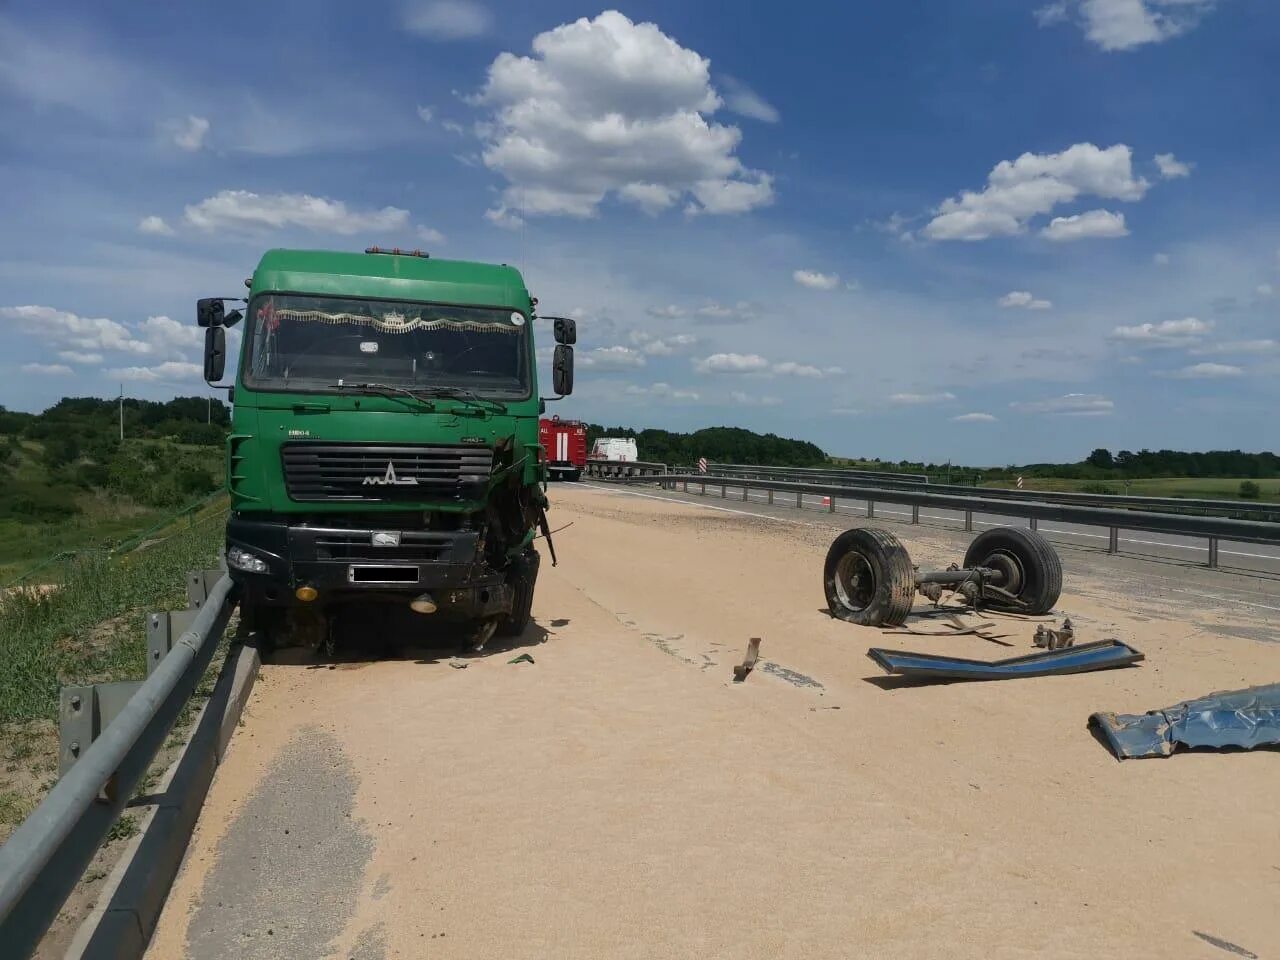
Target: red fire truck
[{"x": 565, "y": 444}]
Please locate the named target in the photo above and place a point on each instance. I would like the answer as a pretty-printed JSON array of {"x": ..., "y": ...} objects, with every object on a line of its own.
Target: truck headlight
[{"x": 246, "y": 561}]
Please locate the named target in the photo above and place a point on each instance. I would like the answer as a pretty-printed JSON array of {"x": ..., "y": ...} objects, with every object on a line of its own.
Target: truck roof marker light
[{"x": 397, "y": 252}]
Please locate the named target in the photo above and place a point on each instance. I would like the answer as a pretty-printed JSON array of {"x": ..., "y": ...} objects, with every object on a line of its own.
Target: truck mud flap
[
  {"x": 1101, "y": 655},
  {"x": 1231, "y": 718}
]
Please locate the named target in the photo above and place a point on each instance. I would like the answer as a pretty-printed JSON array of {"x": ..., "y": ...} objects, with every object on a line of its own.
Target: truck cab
[{"x": 384, "y": 442}]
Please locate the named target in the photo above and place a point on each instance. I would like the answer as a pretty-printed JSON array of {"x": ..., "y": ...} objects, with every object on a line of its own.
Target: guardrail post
[
  {"x": 799, "y": 501},
  {"x": 704, "y": 490},
  {"x": 723, "y": 491},
  {"x": 968, "y": 520},
  {"x": 744, "y": 493},
  {"x": 871, "y": 509},
  {"x": 1213, "y": 553},
  {"x": 686, "y": 486},
  {"x": 915, "y": 513},
  {"x": 831, "y": 505},
  {"x": 770, "y": 497},
  {"x": 1035, "y": 523},
  {"x": 1113, "y": 540}
]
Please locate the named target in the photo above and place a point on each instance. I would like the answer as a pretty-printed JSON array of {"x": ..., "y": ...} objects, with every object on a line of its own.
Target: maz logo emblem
[{"x": 389, "y": 479}]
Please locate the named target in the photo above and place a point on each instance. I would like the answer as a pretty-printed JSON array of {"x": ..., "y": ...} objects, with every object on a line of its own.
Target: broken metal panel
[
  {"x": 1232, "y": 718},
  {"x": 741, "y": 670},
  {"x": 1101, "y": 655}
]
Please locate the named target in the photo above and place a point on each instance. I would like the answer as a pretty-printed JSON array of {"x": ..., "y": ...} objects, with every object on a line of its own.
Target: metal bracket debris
[
  {"x": 1101, "y": 655},
  {"x": 741, "y": 670},
  {"x": 1052, "y": 639},
  {"x": 1229, "y": 718}
]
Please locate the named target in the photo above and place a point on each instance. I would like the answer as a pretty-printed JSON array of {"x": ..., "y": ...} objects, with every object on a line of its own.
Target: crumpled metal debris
[
  {"x": 1228, "y": 718},
  {"x": 741, "y": 670}
]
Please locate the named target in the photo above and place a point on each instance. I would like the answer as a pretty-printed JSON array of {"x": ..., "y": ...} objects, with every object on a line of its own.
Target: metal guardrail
[
  {"x": 45, "y": 857},
  {"x": 621, "y": 469},
  {"x": 1223, "y": 508},
  {"x": 1212, "y": 529},
  {"x": 819, "y": 473}
]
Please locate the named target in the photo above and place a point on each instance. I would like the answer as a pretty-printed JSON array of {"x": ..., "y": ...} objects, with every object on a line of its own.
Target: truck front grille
[{"x": 382, "y": 472}]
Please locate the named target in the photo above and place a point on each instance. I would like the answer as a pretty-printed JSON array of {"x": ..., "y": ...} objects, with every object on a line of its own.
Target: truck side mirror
[
  {"x": 210, "y": 312},
  {"x": 215, "y": 354},
  {"x": 566, "y": 331},
  {"x": 562, "y": 370}
]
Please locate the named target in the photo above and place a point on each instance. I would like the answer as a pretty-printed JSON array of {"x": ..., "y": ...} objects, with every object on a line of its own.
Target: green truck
[{"x": 384, "y": 452}]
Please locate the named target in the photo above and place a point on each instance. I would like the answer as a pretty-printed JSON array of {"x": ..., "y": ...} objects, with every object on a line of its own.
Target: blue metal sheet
[
  {"x": 1101, "y": 655},
  {"x": 1232, "y": 718}
]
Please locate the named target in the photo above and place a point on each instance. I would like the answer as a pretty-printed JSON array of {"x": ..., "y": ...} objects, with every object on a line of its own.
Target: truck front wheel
[{"x": 522, "y": 578}]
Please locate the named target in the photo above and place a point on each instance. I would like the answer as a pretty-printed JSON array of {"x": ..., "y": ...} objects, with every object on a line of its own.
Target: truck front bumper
[{"x": 341, "y": 563}]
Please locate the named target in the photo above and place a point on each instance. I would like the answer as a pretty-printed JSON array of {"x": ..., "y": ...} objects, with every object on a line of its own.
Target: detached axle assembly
[{"x": 870, "y": 580}]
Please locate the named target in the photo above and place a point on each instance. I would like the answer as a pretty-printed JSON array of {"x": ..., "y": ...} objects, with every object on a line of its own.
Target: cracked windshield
[{"x": 309, "y": 343}]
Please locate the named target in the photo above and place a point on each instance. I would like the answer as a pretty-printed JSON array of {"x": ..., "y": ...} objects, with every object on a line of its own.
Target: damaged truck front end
[{"x": 385, "y": 444}]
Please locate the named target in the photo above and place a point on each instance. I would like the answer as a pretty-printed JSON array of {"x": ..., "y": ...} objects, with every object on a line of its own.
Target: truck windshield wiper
[
  {"x": 466, "y": 396},
  {"x": 385, "y": 390}
]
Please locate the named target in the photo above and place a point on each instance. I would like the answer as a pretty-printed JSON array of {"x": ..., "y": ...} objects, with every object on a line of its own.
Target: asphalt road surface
[{"x": 621, "y": 797}]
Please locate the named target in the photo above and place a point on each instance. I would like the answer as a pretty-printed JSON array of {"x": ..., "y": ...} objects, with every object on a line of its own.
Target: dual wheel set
[{"x": 870, "y": 580}]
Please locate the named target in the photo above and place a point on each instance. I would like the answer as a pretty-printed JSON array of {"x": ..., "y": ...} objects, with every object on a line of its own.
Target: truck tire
[
  {"x": 1032, "y": 567},
  {"x": 523, "y": 577},
  {"x": 262, "y": 626},
  {"x": 868, "y": 578}
]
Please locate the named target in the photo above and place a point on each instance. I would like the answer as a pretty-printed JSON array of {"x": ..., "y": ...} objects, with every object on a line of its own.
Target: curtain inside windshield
[{"x": 310, "y": 343}]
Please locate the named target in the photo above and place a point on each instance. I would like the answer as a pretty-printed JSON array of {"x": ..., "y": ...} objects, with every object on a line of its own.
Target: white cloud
[
  {"x": 452, "y": 126},
  {"x": 1069, "y": 405},
  {"x": 504, "y": 218},
  {"x": 808, "y": 371},
  {"x": 1167, "y": 333},
  {"x": 707, "y": 313},
  {"x": 1034, "y": 184},
  {"x": 61, "y": 328},
  {"x": 1207, "y": 371},
  {"x": 751, "y": 400},
  {"x": 1051, "y": 13},
  {"x": 47, "y": 369},
  {"x": 188, "y": 134},
  {"x": 1023, "y": 299},
  {"x": 974, "y": 418},
  {"x": 742, "y": 100},
  {"x": 429, "y": 235},
  {"x": 1126, "y": 24},
  {"x": 1160, "y": 259},
  {"x": 446, "y": 19},
  {"x": 1171, "y": 168},
  {"x": 920, "y": 399},
  {"x": 172, "y": 371},
  {"x": 1236, "y": 347},
  {"x": 610, "y": 358},
  {"x": 1265, "y": 290},
  {"x": 663, "y": 346},
  {"x": 155, "y": 225},
  {"x": 1083, "y": 226},
  {"x": 663, "y": 390},
  {"x": 166, "y": 336},
  {"x": 243, "y": 210},
  {"x": 608, "y": 106},
  {"x": 75, "y": 356},
  {"x": 425, "y": 113},
  {"x": 732, "y": 363},
  {"x": 815, "y": 280}
]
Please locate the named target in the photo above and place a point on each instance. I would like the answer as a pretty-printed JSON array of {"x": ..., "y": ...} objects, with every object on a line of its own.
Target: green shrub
[
  {"x": 1249, "y": 490},
  {"x": 1095, "y": 487}
]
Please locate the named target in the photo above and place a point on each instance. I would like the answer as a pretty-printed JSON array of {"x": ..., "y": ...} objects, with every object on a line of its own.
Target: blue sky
[{"x": 996, "y": 232}]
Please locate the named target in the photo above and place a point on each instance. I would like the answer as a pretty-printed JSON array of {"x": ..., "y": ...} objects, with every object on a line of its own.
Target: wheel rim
[
  {"x": 855, "y": 582},
  {"x": 1015, "y": 575}
]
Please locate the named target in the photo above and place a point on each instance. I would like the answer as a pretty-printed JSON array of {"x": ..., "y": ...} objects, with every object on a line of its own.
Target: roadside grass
[
  {"x": 1205, "y": 488},
  {"x": 89, "y": 629}
]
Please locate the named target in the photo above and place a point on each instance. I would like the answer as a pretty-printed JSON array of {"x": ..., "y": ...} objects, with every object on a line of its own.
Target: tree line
[{"x": 717, "y": 444}]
